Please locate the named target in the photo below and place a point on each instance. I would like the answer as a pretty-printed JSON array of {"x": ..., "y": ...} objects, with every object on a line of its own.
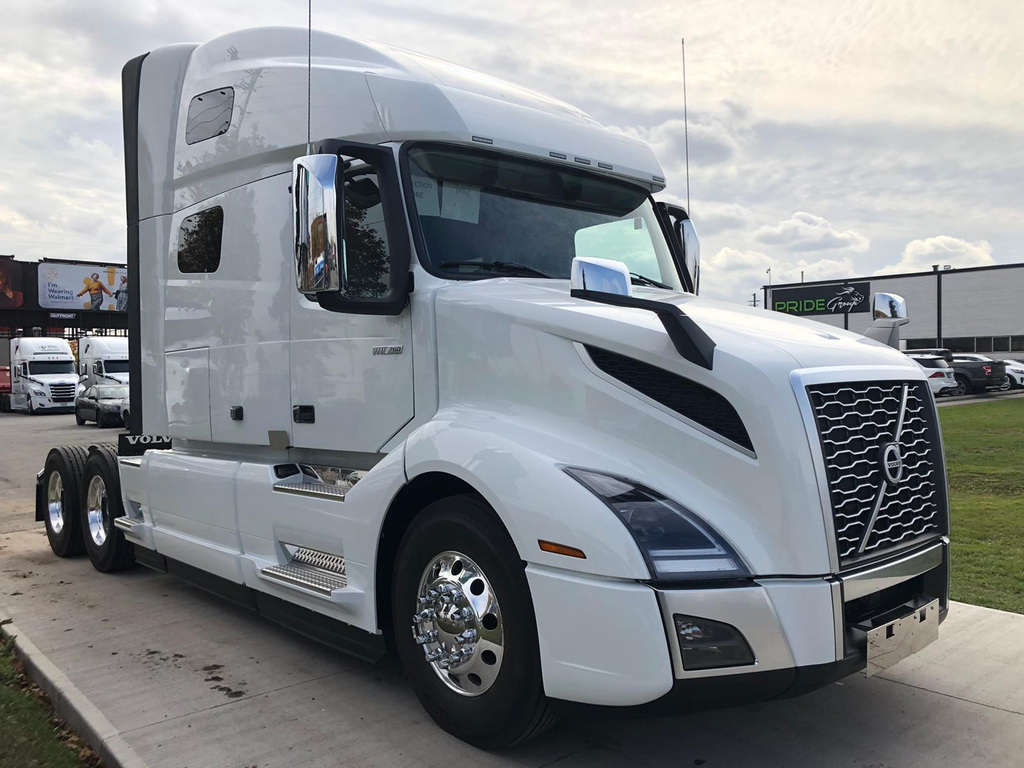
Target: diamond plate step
[
  {"x": 310, "y": 569},
  {"x": 315, "y": 490}
]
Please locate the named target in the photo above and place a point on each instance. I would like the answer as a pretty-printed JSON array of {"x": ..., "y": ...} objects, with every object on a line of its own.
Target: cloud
[
  {"x": 732, "y": 273},
  {"x": 920, "y": 255},
  {"x": 807, "y": 232}
]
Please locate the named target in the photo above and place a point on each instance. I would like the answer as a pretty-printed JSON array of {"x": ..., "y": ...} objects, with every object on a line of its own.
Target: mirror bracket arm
[{"x": 689, "y": 339}]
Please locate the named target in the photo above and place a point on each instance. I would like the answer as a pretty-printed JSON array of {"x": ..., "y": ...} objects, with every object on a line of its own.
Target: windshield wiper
[
  {"x": 639, "y": 279},
  {"x": 506, "y": 267}
]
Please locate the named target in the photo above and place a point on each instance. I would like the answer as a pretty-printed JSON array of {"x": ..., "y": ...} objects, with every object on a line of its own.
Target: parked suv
[
  {"x": 1014, "y": 373},
  {"x": 939, "y": 373}
]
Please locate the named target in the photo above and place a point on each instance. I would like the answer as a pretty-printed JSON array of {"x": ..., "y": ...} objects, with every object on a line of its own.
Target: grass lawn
[
  {"x": 985, "y": 462},
  {"x": 30, "y": 737}
]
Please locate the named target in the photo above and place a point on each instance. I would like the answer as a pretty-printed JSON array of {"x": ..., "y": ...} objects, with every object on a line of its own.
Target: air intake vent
[{"x": 687, "y": 398}]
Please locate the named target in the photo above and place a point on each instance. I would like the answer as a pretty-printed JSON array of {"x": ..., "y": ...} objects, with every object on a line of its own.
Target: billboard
[
  {"x": 12, "y": 288},
  {"x": 83, "y": 287},
  {"x": 834, "y": 299}
]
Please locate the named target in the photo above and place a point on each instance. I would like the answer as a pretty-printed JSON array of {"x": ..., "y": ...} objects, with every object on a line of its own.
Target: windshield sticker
[
  {"x": 424, "y": 189},
  {"x": 460, "y": 202}
]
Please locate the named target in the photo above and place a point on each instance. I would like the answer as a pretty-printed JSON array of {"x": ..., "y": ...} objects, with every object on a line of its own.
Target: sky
[{"x": 829, "y": 139}]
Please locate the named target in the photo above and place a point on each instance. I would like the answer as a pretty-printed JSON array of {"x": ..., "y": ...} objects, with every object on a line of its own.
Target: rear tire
[
  {"x": 510, "y": 707},
  {"x": 108, "y": 549},
  {"x": 62, "y": 478}
]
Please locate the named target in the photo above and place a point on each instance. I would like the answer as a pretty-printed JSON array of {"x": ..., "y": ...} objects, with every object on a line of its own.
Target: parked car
[
  {"x": 125, "y": 410},
  {"x": 973, "y": 372},
  {"x": 939, "y": 373},
  {"x": 101, "y": 404},
  {"x": 1014, "y": 374}
]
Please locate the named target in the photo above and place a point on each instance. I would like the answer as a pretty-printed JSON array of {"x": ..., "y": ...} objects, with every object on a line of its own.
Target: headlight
[
  {"x": 674, "y": 542},
  {"x": 39, "y": 393}
]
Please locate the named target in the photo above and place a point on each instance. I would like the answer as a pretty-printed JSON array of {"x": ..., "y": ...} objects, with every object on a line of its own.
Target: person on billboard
[
  {"x": 121, "y": 294},
  {"x": 95, "y": 288},
  {"x": 9, "y": 298}
]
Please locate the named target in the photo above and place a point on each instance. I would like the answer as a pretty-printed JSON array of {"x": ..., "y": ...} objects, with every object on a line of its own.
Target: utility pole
[{"x": 753, "y": 299}]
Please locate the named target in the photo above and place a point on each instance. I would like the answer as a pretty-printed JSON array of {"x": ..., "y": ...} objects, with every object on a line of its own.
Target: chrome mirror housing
[
  {"x": 889, "y": 305},
  {"x": 315, "y": 214},
  {"x": 601, "y": 275},
  {"x": 691, "y": 250}
]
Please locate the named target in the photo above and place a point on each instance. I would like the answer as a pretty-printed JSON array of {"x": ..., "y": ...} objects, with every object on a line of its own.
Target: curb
[{"x": 71, "y": 705}]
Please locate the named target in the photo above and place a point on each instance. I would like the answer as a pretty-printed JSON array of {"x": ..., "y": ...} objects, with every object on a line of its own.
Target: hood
[
  {"x": 736, "y": 330},
  {"x": 53, "y": 378}
]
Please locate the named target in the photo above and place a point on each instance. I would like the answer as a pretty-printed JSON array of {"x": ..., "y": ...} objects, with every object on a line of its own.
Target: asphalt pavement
[{"x": 178, "y": 678}]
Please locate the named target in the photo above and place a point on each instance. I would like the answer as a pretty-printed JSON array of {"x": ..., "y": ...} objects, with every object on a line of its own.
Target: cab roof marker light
[
  {"x": 582, "y": 160},
  {"x": 605, "y": 166},
  {"x": 483, "y": 140},
  {"x": 559, "y": 155},
  {"x": 675, "y": 543}
]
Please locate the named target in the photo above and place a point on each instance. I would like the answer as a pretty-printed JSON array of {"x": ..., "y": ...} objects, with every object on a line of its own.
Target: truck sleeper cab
[{"x": 394, "y": 406}]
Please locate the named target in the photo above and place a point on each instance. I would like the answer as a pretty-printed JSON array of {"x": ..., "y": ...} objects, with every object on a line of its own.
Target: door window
[{"x": 366, "y": 259}]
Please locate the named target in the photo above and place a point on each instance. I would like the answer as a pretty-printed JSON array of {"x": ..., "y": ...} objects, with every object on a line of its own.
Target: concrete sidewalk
[{"x": 185, "y": 679}]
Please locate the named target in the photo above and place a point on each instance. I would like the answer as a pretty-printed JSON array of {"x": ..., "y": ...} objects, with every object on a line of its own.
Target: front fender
[{"x": 512, "y": 465}]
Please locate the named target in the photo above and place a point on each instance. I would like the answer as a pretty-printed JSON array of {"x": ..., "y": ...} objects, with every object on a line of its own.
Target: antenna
[
  {"x": 309, "y": 80},
  {"x": 686, "y": 131}
]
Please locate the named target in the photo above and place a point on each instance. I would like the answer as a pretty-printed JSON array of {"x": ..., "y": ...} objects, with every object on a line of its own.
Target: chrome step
[
  {"x": 126, "y": 523},
  {"x": 310, "y": 569},
  {"x": 317, "y": 490}
]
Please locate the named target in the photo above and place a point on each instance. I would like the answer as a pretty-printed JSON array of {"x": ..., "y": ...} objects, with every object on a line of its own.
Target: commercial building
[
  {"x": 977, "y": 309},
  {"x": 61, "y": 298}
]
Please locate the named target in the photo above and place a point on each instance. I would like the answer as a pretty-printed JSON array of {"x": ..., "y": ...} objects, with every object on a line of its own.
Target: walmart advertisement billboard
[{"x": 83, "y": 287}]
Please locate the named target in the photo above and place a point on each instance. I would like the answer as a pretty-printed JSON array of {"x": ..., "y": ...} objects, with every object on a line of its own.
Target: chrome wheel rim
[
  {"x": 459, "y": 624},
  {"x": 98, "y": 516},
  {"x": 55, "y": 502}
]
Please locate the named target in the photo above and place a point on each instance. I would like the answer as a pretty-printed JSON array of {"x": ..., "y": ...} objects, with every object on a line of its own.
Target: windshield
[
  {"x": 111, "y": 393},
  {"x": 50, "y": 366},
  {"x": 115, "y": 366},
  {"x": 488, "y": 215}
]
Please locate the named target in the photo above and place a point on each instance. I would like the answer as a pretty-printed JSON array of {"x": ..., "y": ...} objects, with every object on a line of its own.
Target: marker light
[{"x": 674, "y": 542}]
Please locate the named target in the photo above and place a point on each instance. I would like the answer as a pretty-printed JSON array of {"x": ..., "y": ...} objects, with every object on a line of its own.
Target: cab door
[{"x": 351, "y": 331}]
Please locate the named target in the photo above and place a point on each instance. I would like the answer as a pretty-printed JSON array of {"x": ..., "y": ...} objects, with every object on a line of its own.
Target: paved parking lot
[{"x": 185, "y": 679}]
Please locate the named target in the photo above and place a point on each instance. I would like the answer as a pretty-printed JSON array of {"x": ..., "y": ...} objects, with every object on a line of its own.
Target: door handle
[{"x": 303, "y": 414}]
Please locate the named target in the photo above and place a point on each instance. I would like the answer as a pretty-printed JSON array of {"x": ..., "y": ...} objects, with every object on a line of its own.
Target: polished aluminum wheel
[
  {"x": 459, "y": 624},
  {"x": 55, "y": 502},
  {"x": 96, "y": 510}
]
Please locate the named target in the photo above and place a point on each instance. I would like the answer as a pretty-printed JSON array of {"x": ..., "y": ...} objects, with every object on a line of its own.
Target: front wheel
[
  {"x": 464, "y": 625},
  {"x": 963, "y": 386},
  {"x": 78, "y": 418}
]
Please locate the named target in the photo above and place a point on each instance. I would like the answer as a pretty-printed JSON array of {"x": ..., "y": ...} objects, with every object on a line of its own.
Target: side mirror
[
  {"x": 351, "y": 241},
  {"x": 889, "y": 305},
  {"x": 314, "y": 195},
  {"x": 601, "y": 275},
  {"x": 684, "y": 237},
  {"x": 889, "y": 312}
]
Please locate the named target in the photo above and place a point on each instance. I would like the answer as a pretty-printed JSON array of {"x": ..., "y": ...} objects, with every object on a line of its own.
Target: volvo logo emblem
[{"x": 892, "y": 463}]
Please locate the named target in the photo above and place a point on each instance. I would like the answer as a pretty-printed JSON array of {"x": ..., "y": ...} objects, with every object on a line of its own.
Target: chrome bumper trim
[{"x": 879, "y": 577}]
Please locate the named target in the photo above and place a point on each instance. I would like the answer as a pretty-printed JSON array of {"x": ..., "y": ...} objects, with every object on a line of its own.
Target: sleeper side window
[
  {"x": 199, "y": 241},
  {"x": 209, "y": 115}
]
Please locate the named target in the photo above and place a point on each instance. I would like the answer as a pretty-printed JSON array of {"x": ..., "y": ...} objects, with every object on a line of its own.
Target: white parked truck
[
  {"x": 398, "y": 415},
  {"x": 102, "y": 360},
  {"x": 43, "y": 376}
]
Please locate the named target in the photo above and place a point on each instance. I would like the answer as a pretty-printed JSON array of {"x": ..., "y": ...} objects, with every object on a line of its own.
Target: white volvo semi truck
[
  {"x": 102, "y": 360},
  {"x": 396, "y": 414}
]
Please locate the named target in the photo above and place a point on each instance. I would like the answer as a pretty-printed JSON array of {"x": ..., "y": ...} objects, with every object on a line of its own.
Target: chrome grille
[
  {"x": 62, "y": 392},
  {"x": 856, "y": 422}
]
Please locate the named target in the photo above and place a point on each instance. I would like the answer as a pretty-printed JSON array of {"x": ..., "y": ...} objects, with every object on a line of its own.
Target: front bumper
[{"x": 614, "y": 643}]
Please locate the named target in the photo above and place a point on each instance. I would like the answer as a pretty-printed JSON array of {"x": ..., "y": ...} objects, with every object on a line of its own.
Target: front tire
[
  {"x": 78, "y": 419},
  {"x": 108, "y": 549},
  {"x": 963, "y": 386},
  {"x": 457, "y": 571},
  {"x": 62, "y": 476}
]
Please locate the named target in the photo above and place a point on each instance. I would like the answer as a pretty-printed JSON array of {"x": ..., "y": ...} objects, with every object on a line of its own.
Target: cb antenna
[
  {"x": 686, "y": 131},
  {"x": 309, "y": 80}
]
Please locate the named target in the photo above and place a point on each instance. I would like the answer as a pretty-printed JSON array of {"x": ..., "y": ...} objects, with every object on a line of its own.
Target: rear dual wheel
[
  {"x": 108, "y": 549},
  {"x": 62, "y": 482},
  {"x": 464, "y": 625}
]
